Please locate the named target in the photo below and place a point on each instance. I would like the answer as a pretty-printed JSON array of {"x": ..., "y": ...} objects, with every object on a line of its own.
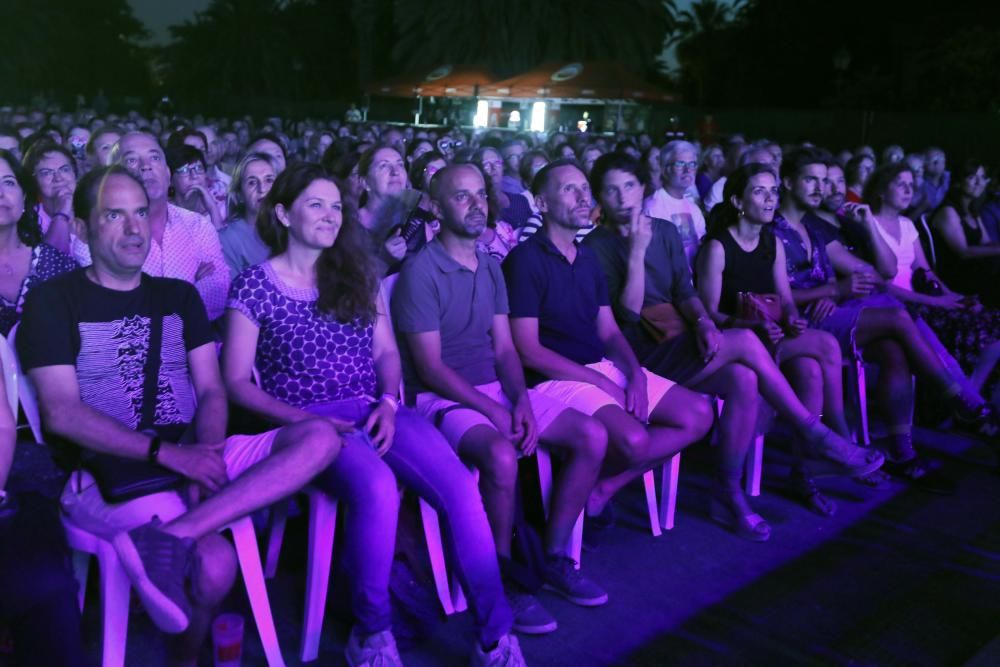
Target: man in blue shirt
[{"x": 566, "y": 333}]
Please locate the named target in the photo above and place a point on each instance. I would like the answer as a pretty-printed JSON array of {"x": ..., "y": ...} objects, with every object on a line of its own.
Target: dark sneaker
[
  {"x": 506, "y": 654},
  {"x": 562, "y": 577},
  {"x": 596, "y": 528},
  {"x": 530, "y": 617},
  {"x": 377, "y": 650},
  {"x": 158, "y": 564}
]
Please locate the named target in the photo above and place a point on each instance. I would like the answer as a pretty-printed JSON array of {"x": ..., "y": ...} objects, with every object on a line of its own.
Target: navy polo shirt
[{"x": 564, "y": 297}]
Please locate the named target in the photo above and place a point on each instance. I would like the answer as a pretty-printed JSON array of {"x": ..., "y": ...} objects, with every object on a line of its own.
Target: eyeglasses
[
  {"x": 445, "y": 144},
  {"x": 195, "y": 169},
  {"x": 64, "y": 171},
  {"x": 680, "y": 165}
]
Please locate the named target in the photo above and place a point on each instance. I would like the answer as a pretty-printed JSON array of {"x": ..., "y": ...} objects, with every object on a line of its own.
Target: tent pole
[{"x": 420, "y": 109}]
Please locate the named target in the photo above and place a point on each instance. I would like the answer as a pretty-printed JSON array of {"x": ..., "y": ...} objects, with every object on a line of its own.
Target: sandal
[
  {"x": 875, "y": 480},
  {"x": 751, "y": 527},
  {"x": 805, "y": 490},
  {"x": 831, "y": 455}
]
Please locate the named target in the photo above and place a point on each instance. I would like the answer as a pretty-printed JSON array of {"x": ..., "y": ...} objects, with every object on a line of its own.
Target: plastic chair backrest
[
  {"x": 10, "y": 373},
  {"x": 927, "y": 239},
  {"x": 25, "y": 392}
]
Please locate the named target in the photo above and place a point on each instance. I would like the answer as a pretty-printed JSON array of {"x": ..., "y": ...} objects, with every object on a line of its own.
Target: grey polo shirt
[{"x": 436, "y": 293}]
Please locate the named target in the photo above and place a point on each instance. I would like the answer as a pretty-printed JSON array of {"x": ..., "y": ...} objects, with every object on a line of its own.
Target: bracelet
[
  {"x": 154, "y": 449},
  {"x": 391, "y": 400}
]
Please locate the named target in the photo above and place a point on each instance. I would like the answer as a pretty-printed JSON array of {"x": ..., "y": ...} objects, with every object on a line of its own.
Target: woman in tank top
[
  {"x": 741, "y": 255},
  {"x": 968, "y": 331}
]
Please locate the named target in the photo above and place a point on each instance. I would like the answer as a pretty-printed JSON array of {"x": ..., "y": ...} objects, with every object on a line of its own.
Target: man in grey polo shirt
[{"x": 450, "y": 307}]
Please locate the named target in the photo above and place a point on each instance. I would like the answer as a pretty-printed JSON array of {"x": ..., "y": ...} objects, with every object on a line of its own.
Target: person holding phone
[{"x": 389, "y": 211}]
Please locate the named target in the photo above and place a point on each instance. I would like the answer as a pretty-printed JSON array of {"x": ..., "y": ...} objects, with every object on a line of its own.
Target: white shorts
[
  {"x": 85, "y": 506},
  {"x": 588, "y": 398},
  {"x": 454, "y": 420}
]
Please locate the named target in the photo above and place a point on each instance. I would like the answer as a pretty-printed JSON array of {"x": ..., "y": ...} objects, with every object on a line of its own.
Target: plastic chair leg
[
  {"x": 435, "y": 551},
  {"x": 864, "y": 436},
  {"x": 253, "y": 577},
  {"x": 322, "y": 525},
  {"x": 276, "y": 534},
  {"x": 81, "y": 570},
  {"x": 649, "y": 481},
  {"x": 668, "y": 501},
  {"x": 114, "y": 605},
  {"x": 754, "y": 465},
  {"x": 574, "y": 548}
]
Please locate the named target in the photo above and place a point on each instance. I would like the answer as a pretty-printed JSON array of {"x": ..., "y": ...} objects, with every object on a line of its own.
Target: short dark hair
[
  {"x": 438, "y": 178},
  {"x": 879, "y": 182},
  {"x": 541, "y": 179},
  {"x": 616, "y": 161},
  {"x": 177, "y": 137},
  {"x": 179, "y": 155},
  {"x": 100, "y": 132},
  {"x": 851, "y": 169},
  {"x": 89, "y": 186},
  {"x": 273, "y": 138},
  {"x": 795, "y": 161}
]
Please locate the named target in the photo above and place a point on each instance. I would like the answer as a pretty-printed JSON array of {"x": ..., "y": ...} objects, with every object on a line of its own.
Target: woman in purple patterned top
[
  {"x": 25, "y": 260},
  {"x": 311, "y": 321}
]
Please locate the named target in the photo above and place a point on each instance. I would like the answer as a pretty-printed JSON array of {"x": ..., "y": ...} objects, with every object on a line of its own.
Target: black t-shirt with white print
[{"x": 104, "y": 333}]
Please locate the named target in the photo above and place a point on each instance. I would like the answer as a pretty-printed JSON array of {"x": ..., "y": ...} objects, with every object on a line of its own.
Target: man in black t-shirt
[{"x": 84, "y": 340}]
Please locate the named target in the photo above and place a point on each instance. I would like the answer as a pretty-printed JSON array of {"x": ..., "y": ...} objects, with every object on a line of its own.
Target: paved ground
[{"x": 898, "y": 577}]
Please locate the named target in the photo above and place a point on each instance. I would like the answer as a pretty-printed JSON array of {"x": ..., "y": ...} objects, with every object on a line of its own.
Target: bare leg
[
  {"x": 216, "y": 574},
  {"x": 496, "y": 460},
  {"x": 741, "y": 346},
  {"x": 822, "y": 348},
  {"x": 583, "y": 442},
  {"x": 737, "y": 385},
  {"x": 679, "y": 419},
  {"x": 894, "y": 391},
  {"x": 300, "y": 452}
]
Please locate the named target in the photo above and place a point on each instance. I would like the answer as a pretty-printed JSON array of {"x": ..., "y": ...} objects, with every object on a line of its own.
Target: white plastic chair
[{"x": 114, "y": 582}]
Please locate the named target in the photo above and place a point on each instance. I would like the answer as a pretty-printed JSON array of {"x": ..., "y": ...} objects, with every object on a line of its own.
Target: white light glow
[
  {"x": 482, "y": 114},
  {"x": 538, "y": 117}
]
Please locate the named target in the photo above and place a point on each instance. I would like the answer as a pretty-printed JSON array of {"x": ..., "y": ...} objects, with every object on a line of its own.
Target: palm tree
[
  {"x": 513, "y": 35},
  {"x": 696, "y": 36}
]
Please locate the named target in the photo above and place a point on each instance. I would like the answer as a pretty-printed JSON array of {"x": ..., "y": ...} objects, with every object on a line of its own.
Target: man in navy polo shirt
[{"x": 566, "y": 333}]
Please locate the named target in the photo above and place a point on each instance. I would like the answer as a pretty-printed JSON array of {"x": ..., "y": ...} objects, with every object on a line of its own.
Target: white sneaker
[
  {"x": 378, "y": 650},
  {"x": 506, "y": 654}
]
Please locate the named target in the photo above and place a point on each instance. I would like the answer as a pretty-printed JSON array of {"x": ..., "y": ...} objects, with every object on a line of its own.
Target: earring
[{"x": 740, "y": 213}]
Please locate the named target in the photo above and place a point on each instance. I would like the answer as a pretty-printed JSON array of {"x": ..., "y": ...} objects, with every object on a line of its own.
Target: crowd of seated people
[{"x": 422, "y": 307}]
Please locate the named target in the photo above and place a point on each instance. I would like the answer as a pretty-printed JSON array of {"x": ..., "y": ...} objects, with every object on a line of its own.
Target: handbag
[
  {"x": 120, "y": 479},
  {"x": 922, "y": 283},
  {"x": 662, "y": 322},
  {"x": 759, "y": 307}
]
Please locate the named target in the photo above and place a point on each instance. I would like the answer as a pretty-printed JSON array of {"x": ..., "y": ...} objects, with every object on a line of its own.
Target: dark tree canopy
[
  {"x": 890, "y": 55},
  {"x": 71, "y": 46}
]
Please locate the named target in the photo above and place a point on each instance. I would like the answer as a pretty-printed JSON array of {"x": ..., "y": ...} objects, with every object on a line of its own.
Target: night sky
[{"x": 157, "y": 15}]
